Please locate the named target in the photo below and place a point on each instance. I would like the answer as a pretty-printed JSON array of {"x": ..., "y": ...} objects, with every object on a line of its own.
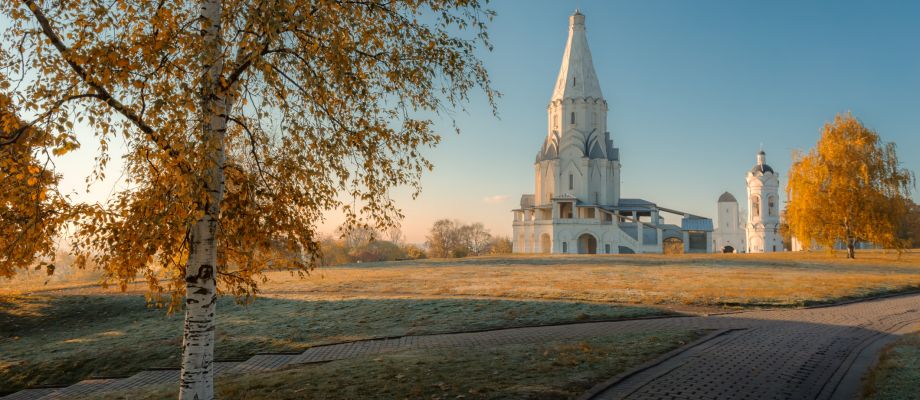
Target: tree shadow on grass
[
  {"x": 52, "y": 339},
  {"x": 815, "y": 353}
]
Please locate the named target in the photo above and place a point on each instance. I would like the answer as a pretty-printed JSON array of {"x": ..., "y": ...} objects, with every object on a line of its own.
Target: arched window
[
  {"x": 755, "y": 206},
  {"x": 771, "y": 203},
  {"x": 574, "y": 79},
  {"x": 572, "y": 118},
  {"x": 571, "y": 182}
]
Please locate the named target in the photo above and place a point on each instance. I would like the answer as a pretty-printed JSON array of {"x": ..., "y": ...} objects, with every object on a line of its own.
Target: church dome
[
  {"x": 762, "y": 169},
  {"x": 727, "y": 198}
]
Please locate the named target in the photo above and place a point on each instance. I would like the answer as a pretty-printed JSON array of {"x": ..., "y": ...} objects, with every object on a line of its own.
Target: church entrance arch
[
  {"x": 546, "y": 243},
  {"x": 673, "y": 245},
  {"x": 587, "y": 244},
  {"x": 728, "y": 249}
]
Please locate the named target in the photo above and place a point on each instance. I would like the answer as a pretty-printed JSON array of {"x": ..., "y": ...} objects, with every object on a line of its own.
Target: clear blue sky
[{"x": 694, "y": 88}]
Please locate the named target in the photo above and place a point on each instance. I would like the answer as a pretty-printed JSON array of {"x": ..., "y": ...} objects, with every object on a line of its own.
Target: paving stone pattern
[{"x": 781, "y": 354}]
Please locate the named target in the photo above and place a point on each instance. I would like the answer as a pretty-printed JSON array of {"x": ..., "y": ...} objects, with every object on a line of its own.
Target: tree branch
[
  {"x": 101, "y": 92},
  {"x": 14, "y": 136}
]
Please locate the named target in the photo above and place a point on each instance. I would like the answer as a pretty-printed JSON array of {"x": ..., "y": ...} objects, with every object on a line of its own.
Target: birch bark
[{"x": 197, "y": 374}]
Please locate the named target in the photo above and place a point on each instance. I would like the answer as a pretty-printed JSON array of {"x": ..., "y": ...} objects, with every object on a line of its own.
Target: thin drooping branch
[
  {"x": 17, "y": 133},
  {"x": 101, "y": 92},
  {"x": 252, "y": 145}
]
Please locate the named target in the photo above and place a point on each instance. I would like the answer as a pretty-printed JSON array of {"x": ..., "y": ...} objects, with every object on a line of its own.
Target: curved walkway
[{"x": 817, "y": 353}]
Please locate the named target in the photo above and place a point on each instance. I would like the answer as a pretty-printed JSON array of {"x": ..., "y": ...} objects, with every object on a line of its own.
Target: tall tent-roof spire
[{"x": 577, "y": 78}]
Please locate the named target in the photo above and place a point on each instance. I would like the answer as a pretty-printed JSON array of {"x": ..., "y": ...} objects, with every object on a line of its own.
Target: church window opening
[
  {"x": 772, "y": 205},
  {"x": 571, "y": 182},
  {"x": 755, "y": 206},
  {"x": 574, "y": 80},
  {"x": 572, "y": 119},
  {"x": 607, "y": 248},
  {"x": 565, "y": 247},
  {"x": 596, "y": 198}
]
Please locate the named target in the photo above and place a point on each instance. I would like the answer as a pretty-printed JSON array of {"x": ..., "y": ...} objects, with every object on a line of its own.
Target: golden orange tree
[
  {"x": 849, "y": 188},
  {"x": 32, "y": 209},
  {"x": 244, "y": 120}
]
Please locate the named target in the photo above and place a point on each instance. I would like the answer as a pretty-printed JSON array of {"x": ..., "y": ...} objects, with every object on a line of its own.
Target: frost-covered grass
[
  {"x": 60, "y": 339},
  {"x": 65, "y": 335},
  {"x": 897, "y": 375},
  {"x": 552, "y": 370}
]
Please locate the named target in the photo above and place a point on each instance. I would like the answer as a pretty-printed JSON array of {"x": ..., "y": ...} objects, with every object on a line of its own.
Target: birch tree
[
  {"x": 849, "y": 188},
  {"x": 243, "y": 121}
]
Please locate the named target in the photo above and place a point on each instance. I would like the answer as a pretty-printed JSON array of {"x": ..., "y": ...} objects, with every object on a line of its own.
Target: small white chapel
[{"x": 729, "y": 234}]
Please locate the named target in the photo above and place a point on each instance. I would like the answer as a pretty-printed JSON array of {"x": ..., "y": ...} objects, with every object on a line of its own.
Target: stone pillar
[{"x": 640, "y": 235}]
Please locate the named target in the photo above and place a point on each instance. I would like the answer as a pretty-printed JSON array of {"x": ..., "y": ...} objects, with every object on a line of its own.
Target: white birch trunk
[{"x": 196, "y": 380}]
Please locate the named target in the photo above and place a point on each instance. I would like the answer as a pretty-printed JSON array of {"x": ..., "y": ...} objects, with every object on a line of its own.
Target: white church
[
  {"x": 576, "y": 206},
  {"x": 760, "y": 232}
]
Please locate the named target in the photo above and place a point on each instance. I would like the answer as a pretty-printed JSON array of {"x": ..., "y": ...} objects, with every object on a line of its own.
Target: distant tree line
[
  {"x": 446, "y": 239},
  {"x": 453, "y": 239}
]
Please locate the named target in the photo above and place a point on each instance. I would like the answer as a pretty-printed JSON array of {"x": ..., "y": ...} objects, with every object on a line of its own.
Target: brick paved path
[
  {"x": 786, "y": 354},
  {"x": 819, "y": 353}
]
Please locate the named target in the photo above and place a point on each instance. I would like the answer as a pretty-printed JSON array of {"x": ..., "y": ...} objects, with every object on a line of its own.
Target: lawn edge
[{"x": 913, "y": 290}]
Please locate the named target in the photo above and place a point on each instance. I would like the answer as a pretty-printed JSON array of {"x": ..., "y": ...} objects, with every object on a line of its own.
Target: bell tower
[
  {"x": 762, "y": 228},
  {"x": 577, "y": 158}
]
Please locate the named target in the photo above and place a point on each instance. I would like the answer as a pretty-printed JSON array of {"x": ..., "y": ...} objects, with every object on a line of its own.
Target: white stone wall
[{"x": 729, "y": 229}]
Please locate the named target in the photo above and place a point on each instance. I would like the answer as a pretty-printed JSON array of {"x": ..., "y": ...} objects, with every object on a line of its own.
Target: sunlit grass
[{"x": 786, "y": 279}]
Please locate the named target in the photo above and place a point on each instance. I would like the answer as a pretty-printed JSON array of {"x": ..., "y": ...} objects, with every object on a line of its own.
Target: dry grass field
[
  {"x": 68, "y": 330},
  {"x": 713, "y": 280}
]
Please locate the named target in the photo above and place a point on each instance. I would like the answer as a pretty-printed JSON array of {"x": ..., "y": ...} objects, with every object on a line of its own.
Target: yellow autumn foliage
[
  {"x": 32, "y": 211},
  {"x": 850, "y": 188},
  {"x": 328, "y": 107}
]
